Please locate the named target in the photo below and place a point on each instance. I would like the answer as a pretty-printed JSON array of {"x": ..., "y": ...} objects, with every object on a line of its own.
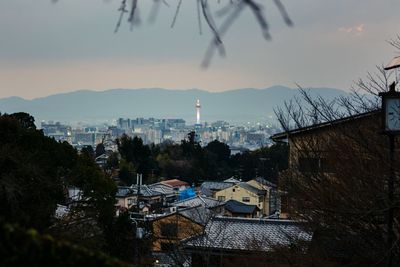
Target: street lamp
[{"x": 391, "y": 127}]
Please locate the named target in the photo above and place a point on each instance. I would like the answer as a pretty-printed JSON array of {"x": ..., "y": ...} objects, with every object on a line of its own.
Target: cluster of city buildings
[
  {"x": 248, "y": 136},
  {"x": 156, "y": 131}
]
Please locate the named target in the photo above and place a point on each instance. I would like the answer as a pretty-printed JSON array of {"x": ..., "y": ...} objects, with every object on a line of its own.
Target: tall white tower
[{"x": 198, "y": 106}]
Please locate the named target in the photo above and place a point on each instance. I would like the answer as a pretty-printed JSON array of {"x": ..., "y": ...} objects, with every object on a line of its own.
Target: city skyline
[{"x": 331, "y": 45}]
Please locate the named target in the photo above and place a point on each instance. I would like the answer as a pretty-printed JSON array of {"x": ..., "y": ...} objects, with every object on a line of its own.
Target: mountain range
[{"x": 240, "y": 105}]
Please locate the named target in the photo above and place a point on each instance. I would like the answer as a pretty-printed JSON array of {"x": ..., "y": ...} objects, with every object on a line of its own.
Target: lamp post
[{"x": 391, "y": 127}]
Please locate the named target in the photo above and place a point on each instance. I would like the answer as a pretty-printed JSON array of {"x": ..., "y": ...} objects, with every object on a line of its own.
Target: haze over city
[
  {"x": 48, "y": 48},
  {"x": 203, "y": 133}
]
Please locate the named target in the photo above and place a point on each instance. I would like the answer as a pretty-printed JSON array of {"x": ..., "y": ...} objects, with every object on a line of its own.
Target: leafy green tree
[
  {"x": 35, "y": 172},
  {"x": 124, "y": 231},
  {"x": 221, "y": 150},
  {"x": 88, "y": 150},
  {"x": 113, "y": 161},
  {"x": 20, "y": 247},
  {"x": 134, "y": 151},
  {"x": 33, "y": 169},
  {"x": 25, "y": 120},
  {"x": 127, "y": 172}
]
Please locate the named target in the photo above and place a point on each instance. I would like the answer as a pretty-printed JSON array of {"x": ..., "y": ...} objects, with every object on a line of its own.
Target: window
[
  {"x": 245, "y": 199},
  {"x": 233, "y": 189},
  {"x": 169, "y": 229},
  {"x": 314, "y": 165},
  {"x": 221, "y": 198}
]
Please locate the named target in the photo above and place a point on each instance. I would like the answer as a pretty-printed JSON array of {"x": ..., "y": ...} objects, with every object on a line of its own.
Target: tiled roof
[
  {"x": 224, "y": 233},
  {"x": 239, "y": 207},
  {"x": 162, "y": 188},
  {"x": 264, "y": 181},
  {"x": 252, "y": 189},
  {"x": 198, "y": 214},
  {"x": 175, "y": 183},
  {"x": 207, "y": 187},
  {"x": 199, "y": 201},
  {"x": 124, "y": 191},
  {"x": 232, "y": 180}
]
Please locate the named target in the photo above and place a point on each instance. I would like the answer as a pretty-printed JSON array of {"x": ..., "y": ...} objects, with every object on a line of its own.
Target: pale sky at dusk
[{"x": 48, "y": 48}]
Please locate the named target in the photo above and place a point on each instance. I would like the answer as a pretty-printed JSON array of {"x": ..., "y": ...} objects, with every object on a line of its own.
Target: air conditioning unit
[{"x": 172, "y": 209}]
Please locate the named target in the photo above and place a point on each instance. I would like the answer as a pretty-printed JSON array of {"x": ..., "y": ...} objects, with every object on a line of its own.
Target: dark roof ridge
[
  {"x": 283, "y": 135},
  {"x": 257, "y": 220}
]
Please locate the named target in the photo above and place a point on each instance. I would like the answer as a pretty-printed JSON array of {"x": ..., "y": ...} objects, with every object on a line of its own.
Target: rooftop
[
  {"x": 224, "y": 233},
  {"x": 174, "y": 183},
  {"x": 284, "y": 135},
  {"x": 207, "y": 188},
  {"x": 239, "y": 207},
  {"x": 124, "y": 191},
  {"x": 196, "y": 201},
  {"x": 252, "y": 188}
]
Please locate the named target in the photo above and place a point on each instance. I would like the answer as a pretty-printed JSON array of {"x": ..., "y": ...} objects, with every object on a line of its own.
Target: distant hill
[{"x": 239, "y": 105}]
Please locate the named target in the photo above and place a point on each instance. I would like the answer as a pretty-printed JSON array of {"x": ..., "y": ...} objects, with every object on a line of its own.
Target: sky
[{"x": 48, "y": 48}]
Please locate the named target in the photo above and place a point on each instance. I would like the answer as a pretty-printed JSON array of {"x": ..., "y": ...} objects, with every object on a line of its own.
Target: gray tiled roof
[
  {"x": 199, "y": 201},
  {"x": 239, "y": 207},
  {"x": 198, "y": 214},
  {"x": 207, "y": 187},
  {"x": 248, "y": 234},
  {"x": 124, "y": 191},
  {"x": 265, "y": 182},
  {"x": 164, "y": 189},
  {"x": 232, "y": 180},
  {"x": 252, "y": 189}
]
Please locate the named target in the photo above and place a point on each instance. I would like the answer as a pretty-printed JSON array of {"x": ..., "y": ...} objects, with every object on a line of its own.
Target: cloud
[{"x": 354, "y": 30}]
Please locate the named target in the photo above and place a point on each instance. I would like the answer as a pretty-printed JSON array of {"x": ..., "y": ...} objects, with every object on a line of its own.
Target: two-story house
[{"x": 247, "y": 194}]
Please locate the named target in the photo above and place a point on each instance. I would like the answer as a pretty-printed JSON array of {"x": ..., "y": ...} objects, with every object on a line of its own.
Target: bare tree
[
  {"x": 338, "y": 175},
  {"x": 229, "y": 12}
]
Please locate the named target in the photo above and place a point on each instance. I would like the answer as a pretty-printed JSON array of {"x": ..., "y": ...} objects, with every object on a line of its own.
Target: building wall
[
  {"x": 268, "y": 196},
  {"x": 126, "y": 202},
  {"x": 237, "y": 193},
  {"x": 184, "y": 229},
  {"x": 346, "y": 149}
]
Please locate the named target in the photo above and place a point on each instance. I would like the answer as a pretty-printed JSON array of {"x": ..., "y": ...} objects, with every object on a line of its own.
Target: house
[
  {"x": 126, "y": 197},
  {"x": 271, "y": 193},
  {"x": 235, "y": 208},
  {"x": 352, "y": 146},
  {"x": 243, "y": 242},
  {"x": 247, "y": 194},
  {"x": 149, "y": 200},
  {"x": 310, "y": 145},
  {"x": 209, "y": 188},
  {"x": 170, "y": 194},
  {"x": 102, "y": 160},
  {"x": 171, "y": 229},
  {"x": 176, "y": 184}
]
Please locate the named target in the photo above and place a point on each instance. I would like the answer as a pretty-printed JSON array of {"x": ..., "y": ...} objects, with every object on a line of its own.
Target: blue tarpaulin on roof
[{"x": 187, "y": 193}]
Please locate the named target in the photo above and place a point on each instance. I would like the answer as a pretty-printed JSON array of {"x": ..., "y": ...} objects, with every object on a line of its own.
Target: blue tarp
[{"x": 187, "y": 193}]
